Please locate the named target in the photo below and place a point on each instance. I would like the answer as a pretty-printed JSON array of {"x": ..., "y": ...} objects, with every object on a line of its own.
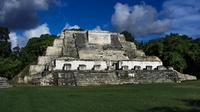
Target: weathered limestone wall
[
  {"x": 139, "y": 53},
  {"x": 95, "y": 78},
  {"x": 62, "y": 35},
  {"x": 43, "y": 60},
  {"x": 58, "y": 42},
  {"x": 143, "y": 64},
  {"x": 150, "y": 76},
  {"x": 36, "y": 69},
  {"x": 184, "y": 77},
  {"x": 54, "y": 51},
  {"x": 69, "y": 48},
  {"x": 130, "y": 48},
  {"x": 85, "y": 78},
  {"x": 101, "y": 38},
  {"x": 102, "y": 54},
  {"x": 75, "y": 64},
  {"x": 81, "y": 40}
]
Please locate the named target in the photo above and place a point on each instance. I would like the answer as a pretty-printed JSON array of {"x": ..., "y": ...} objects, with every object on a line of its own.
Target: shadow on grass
[
  {"x": 192, "y": 103},
  {"x": 192, "y": 106}
]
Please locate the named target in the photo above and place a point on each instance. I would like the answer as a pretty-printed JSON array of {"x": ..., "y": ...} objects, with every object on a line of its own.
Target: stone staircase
[{"x": 4, "y": 83}]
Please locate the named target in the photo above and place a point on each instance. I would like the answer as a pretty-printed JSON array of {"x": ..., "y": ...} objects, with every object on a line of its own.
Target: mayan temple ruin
[{"x": 81, "y": 58}]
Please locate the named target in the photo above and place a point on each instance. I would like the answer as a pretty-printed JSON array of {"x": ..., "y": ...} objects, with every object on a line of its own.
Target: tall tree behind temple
[
  {"x": 178, "y": 51},
  {"x": 4, "y": 34},
  {"x": 5, "y": 45}
]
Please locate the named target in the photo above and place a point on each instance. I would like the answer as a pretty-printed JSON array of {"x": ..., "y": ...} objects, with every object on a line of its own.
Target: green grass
[{"x": 184, "y": 97}]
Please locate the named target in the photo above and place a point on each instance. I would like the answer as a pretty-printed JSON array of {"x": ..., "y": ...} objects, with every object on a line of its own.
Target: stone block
[
  {"x": 190, "y": 77},
  {"x": 139, "y": 53},
  {"x": 54, "y": 51},
  {"x": 99, "y": 37},
  {"x": 184, "y": 77},
  {"x": 161, "y": 68},
  {"x": 46, "y": 80},
  {"x": 102, "y": 54},
  {"x": 4, "y": 83},
  {"x": 36, "y": 69},
  {"x": 170, "y": 68},
  {"x": 43, "y": 60},
  {"x": 58, "y": 43},
  {"x": 62, "y": 35}
]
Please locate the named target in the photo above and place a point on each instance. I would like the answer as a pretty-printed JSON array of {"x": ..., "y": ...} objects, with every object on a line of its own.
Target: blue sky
[
  {"x": 145, "y": 19},
  {"x": 87, "y": 13}
]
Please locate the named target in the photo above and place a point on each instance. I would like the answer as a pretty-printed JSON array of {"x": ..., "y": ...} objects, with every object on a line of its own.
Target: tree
[
  {"x": 175, "y": 60},
  {"x": 128, "y": 36},
  {"x": 5, "y": 46},
  {"x": 179, "y": 51},
  {"x": 35, "y": 47},
  {"x": 4, "y": 34},
  {"x": 155, "y": 48},
  {"x": 11, "y": 65},
  {"x": 193, "y": 58}
]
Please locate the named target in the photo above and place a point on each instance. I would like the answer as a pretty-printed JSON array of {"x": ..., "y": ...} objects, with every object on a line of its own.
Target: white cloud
[
  {"x": 185, "y": 16},
  {"x": 43, "y": 4},
  {"x": 140, "y": 20},
  {"x": 13, "y": 39},
  {"x": 97, "y": 28},
  {"x": 176, "y": 16},
  {"x": 22, "y": 39},
  {"x": 36, "y": 32},
  {"x": 68, "y": 26}
]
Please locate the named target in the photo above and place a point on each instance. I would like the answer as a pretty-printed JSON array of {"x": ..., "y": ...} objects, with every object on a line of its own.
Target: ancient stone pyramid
[{"x": 94, "y": 58}]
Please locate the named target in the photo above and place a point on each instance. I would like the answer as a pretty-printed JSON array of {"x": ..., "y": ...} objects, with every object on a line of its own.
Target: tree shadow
[
  {"x": 172, "y": 109},
  {"x": 193, "y": 106},
  {"x": 192, "y": 103}
]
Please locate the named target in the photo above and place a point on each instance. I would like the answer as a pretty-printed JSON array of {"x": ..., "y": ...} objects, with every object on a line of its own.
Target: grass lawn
[{"x": 184, "y": 97}]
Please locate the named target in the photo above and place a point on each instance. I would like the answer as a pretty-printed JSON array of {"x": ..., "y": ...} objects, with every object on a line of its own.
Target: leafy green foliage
[
  {"x": 4, "y": 34},
  {"x": 5, "y": 49},
  {"x": 35, "y": 47},
  {"x": 176, "y": 60},
  {"x": 12, "y": 62},
  {"x": 178, "y": 51},
  {"x": 9, "y": 67},
  {"x": 5, "y": 46}
]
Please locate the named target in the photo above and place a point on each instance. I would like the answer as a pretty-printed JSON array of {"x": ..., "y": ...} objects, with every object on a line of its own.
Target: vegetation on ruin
[{"x": 183, "y": 97}]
